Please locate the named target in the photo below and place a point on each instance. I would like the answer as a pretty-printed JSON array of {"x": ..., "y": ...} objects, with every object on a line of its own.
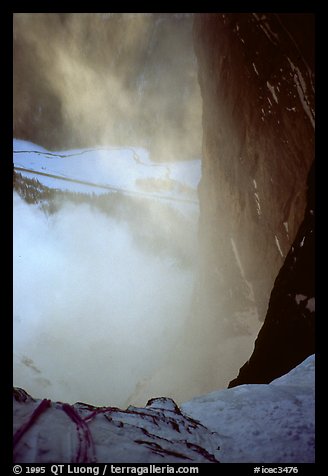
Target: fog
[
  {"x": 103, "y": 316},
  {"x": 105, "y": 308},
  {"x": 93, "y": 313},
  {"x": 87, "y": 79}
]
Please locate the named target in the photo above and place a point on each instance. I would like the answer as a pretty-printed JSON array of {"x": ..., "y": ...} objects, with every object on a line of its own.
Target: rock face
[
  {"x": 287, "y": 336},
  {"x": 256, "y": 78},
  {"x": 251, "y": 423}
]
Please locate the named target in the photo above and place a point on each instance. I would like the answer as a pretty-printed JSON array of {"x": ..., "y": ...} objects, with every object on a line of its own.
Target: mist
[
  {"x": 104, "y": 309},
  {"x": 90, "y": 79},
  {"x": 93, "y": 312},
  {"x": 105, "y": 305}
]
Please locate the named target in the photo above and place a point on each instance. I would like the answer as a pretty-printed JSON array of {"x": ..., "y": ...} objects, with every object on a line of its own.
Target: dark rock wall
[
  {"x": 287, "y": 336},
  {"x": 256, "y": 73}
]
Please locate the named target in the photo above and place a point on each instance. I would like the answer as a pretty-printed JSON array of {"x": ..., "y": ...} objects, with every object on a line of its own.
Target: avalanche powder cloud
[{"x": 94, "y": 315}]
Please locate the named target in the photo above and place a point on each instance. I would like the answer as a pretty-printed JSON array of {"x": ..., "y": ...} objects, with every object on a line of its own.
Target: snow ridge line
[
  {"x": 82, "y": 152},
  {"x": 107, "y": 187},
  {"x": 136, "y": 156}
]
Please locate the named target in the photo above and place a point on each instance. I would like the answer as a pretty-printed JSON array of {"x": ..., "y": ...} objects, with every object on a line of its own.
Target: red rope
[
  {"x": 35, "y": 415},
  {"x": 86, "y": 450},
  {"x": 97, "y": 412}
]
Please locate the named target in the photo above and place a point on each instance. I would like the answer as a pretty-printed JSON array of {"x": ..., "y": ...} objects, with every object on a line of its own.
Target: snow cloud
[
  {"x": 108, "y": 79},
  {"x": 103, "y": 313},
  {"x": 104, "y": 307},
  {"x": 93, "y": 312}
]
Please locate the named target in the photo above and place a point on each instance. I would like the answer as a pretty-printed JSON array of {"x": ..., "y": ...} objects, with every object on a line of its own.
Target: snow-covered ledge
[{"x": 271, "y": 423}]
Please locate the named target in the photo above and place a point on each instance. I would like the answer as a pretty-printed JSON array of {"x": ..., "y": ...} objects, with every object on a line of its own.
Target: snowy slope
[
  {"x": 262, "y": 423},
  {"x": 99, "y": 170},
  {"x": 252, "y": 423},
  {"x": 83, "y": 434}
]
